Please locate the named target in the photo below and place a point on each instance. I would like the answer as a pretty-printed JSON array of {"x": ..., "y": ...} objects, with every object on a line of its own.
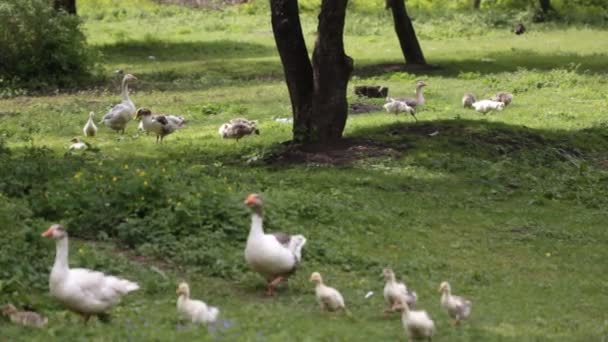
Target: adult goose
[
  {"x": 89, "y": 129},
  {"x": 119, "y": 116},
  {"x": 419, "y": 99},
  {"x": 83, "y": 291},
  {"x": 161, "y": 125},
  {"x": 394, "y": 291},
  {"x": 275, "y": 256},
  {"x": 458, "y": 308}
]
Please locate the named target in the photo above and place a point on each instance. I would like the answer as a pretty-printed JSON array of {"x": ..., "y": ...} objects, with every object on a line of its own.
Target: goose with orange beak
[
  {"x": 86, "y": 292},
  {"x": 275, "y": 256}
]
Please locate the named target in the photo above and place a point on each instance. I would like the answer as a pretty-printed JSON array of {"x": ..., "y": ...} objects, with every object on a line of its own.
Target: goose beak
[
  {"x": 250, "y": 200},
  {"x": 48, "y": 232}
]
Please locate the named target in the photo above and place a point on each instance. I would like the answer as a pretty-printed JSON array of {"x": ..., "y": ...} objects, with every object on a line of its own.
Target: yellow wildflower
[
  {"x": 114, "y": 179},
  {"x": 77, "y": 174}
]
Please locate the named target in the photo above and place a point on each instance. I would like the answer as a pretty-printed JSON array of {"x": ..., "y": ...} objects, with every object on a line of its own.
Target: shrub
[{"x": 41, "y": 47}]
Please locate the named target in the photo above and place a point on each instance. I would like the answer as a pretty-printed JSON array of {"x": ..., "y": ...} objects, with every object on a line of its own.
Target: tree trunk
[
  {"x": 476, "y": 4},
  {"x": 317, "y": 91},
  {"x": 296, "y": 64},
  {"x": 406, "y": 34},
  {"x": 67, "y": 5},
  {"x": 331, "y": 71},
  {"x": 545, "y": 6}
]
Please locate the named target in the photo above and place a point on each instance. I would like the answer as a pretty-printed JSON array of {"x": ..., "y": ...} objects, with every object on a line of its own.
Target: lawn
[{"x": 510, "y": 207}]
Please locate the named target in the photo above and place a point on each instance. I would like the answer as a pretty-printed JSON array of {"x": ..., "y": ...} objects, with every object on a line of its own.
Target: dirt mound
[{"x": 343, "y": 152}]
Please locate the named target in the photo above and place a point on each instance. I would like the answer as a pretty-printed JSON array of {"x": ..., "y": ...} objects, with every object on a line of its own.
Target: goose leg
[
  {"x": 273, "y": 284},
  {"x": 104, "y": 317},
  {"x": 85, "y": 318},
  {"x": 415, "y": 118}
]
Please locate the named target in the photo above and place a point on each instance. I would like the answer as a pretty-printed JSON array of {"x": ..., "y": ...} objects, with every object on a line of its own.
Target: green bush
[{"x": 41, "y": 48}]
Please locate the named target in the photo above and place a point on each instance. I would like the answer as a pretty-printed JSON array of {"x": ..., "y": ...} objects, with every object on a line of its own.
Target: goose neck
[{"x": 61, "y": 255}]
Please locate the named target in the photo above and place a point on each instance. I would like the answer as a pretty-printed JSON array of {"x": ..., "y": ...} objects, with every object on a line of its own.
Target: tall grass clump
[{"x": 41, "y": 48}]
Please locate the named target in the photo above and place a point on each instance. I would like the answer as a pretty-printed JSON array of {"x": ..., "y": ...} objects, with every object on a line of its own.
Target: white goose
[
  {"x": 417, "y": 324},
  {"x": 195, "y": 311},
  {"x": 458, "y": 308},
  {"x": 119, "y": 116},
  {"x": 394, "y": 291},
  {"x": 329, "y": 299},
  {"x": 274, "y": 256},
  {"x": 161, "y": 125},
  {"x": 89, "y": 129},
  {"x": 83, "y": 291}
]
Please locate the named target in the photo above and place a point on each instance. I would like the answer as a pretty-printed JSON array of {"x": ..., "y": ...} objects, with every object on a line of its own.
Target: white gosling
[
  {"x": 485, "y": 106},
  {"x": 468, "y": 99},
  {"x": 161, "y": 125},
  {"x": 90, "y": 129},
  {"x": 396, "y": 106},
  {"x": 329, "y": 299},
  {"x": 458, "y": 308},
  {"x": 25, "y": 318},
  {"x": 119, "y": 116},
  {"x": 417, "y": 324},
  {"x": 77, "y": 144},
  {"x": 394, "y": 291},
  {"x": 83, "y": 291},
  {"x": 275, "y": 256},
  {"x": 192, "y": 310}
]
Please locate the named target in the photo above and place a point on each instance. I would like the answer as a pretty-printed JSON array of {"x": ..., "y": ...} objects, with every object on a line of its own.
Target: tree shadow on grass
[
  {"x": 463, "y": 139},
  {"x": 506, "y": 61},
  {"x": 141, "y": 51}
]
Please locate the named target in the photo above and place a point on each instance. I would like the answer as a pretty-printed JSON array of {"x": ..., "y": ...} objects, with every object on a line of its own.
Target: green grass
[{"x": 510, "y": 207}]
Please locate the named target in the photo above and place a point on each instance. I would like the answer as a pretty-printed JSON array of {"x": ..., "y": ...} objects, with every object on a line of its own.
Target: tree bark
[
  {"x": 317, "y": 90},
  {"x": 290, "y": 43},
  {"x": 545, "y": 6},
  {"x": 410, "y": 47},
  {"x": 331, "y": 71},
  {"x": 476, "y": 4},
  {"x": 67, "y": 5}
]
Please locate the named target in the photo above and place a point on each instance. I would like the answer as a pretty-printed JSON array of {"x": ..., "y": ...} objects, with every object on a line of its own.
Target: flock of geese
[
  {"x": 118, "y": 117},
  {"x": 275, "y": 256},
  {"x": 408, "y": 105}
]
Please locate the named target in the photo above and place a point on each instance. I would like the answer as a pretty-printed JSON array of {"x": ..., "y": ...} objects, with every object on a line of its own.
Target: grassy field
[{"x": 510, "y": 207}]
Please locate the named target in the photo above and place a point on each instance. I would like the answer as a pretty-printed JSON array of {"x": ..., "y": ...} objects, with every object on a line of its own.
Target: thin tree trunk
[
  {"x": 406, "y": 34},
  {"x": 476, "y": 4},
  {"x": 67, "y": 5},
  {"x": 331, "y": 69},
  {"x": 545, "y": 6},
  {"x": 296, "y": 64}
]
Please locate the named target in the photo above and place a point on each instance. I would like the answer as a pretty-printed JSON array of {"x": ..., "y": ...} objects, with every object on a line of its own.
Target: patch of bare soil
[
  {"x": 215, "y": 4},
  {"x": 342, "y": 153},
  {"x": 361, "y": 107}
]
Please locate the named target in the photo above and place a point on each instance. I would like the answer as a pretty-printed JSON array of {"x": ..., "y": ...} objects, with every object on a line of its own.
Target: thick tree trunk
[
  {"x": 318, "y": 90},
  {"x": 296, "y": 64},
  {"x": 406, "y": 34},
  {"x": 331, "y": 69},
  {"x": 545, "y": 6},
  {"x": 476, "y": 4},
  {"x": 67, "y": 5}
]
